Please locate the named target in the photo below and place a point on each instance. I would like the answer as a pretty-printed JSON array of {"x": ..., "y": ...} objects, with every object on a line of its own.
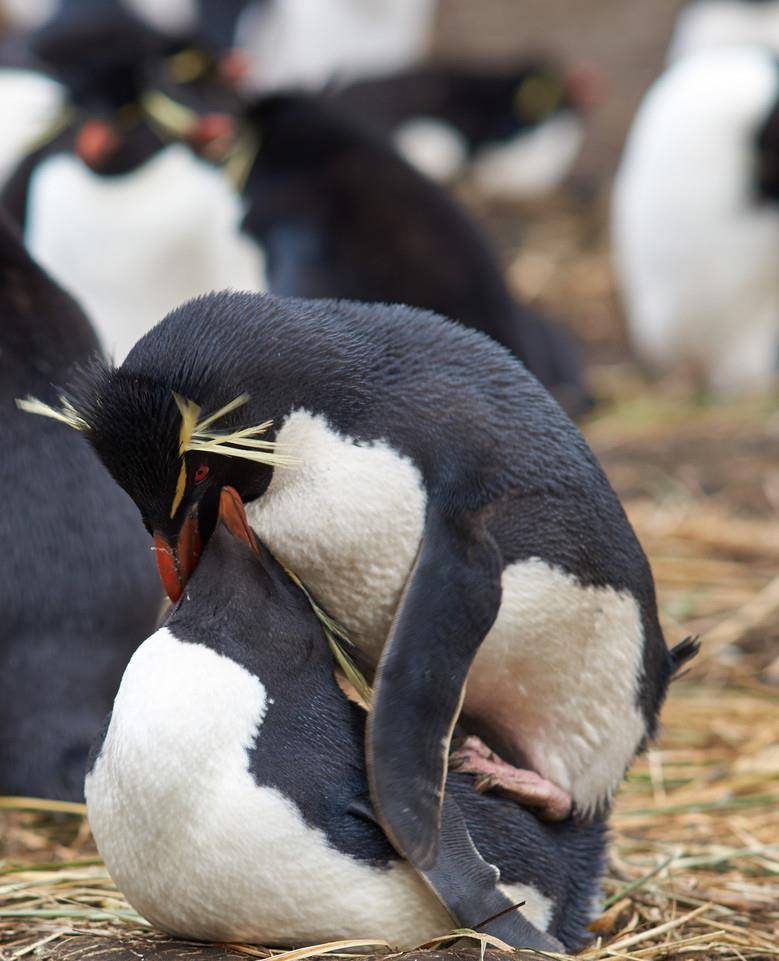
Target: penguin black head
[
  {"x": 109, "y": 60},
  {"x": 173, "y": 435},
  {"x": 242, "y": 602},
  {"x": 100, "y": 54}
]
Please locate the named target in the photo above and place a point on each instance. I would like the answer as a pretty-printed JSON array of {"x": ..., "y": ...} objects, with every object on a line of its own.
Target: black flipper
[
  {"x": 466, "y": 884},
  {"x": 450, "y": 601}
]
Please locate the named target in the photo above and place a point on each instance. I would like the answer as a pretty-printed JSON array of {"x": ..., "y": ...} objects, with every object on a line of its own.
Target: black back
[
  {"x": 310, "y": 745},
  {"x": 342, "y": 215},
  {"x": 78, "y": 589},
  {"x": 484, "y": 434},
  {"x": 767, "y": 173},
  {"x": 485, "y": 106}
]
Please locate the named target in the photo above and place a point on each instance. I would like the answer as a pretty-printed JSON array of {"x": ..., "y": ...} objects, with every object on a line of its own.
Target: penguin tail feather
[{"x": 683, "y": 652}]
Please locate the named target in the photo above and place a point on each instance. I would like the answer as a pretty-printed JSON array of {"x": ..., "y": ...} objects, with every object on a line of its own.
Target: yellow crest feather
[
  {"x": 66, "y": 413},
  {"x": 190, "y": 411},
  {"x": 246, "y": 442}
]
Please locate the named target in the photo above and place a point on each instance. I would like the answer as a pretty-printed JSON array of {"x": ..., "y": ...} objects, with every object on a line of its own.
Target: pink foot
[{"x": 526, "y": 787}]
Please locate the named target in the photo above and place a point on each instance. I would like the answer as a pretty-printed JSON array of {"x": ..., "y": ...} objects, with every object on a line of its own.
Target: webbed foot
[{"x": 528, "y": 788}]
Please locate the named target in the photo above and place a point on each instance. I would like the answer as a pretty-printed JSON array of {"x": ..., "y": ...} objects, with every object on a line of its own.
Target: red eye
[{"x": 201, "y": 473}]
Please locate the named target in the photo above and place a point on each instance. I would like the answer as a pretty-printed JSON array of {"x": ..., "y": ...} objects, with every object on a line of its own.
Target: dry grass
[
  {"x": 695, "y": 858},
  {"x": 695, "y": 855}
]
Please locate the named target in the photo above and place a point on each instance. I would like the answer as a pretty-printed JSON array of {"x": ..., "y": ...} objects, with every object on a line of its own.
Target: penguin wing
[
  {"x": 467, "y": 885},
  {"x": 451, "y": 598}
]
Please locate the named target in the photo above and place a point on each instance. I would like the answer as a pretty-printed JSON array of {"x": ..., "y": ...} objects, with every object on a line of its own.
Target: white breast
[
  {"x": 29, "y": 14},
  {"x": 558, "y": 675},
  {"x": 724, "y": 23},
  {"x": 348, "y": 520},
  {"x": 169, "y": 16},
  {"x": 30, "y": 105},
  {"x": 199, "y": 848},
  {"x": 309, "y": 42},
  {"x": 436, "y": 149},
  {"x": 696, "y": 253},
  {"x": 131, "y": 248},
  {"x": 531, "y": 163},
  {"x": 559, "y": 670}
]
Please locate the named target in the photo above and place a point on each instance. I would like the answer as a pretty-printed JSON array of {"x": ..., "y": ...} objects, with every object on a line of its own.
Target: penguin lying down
[{"x": 229, "y": 796}]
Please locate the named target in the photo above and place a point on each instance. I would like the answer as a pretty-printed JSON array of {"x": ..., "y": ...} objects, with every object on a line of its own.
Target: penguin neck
[{"x": 277, "y": 638}]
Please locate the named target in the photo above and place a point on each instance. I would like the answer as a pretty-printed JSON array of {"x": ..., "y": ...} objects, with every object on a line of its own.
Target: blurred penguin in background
[
  {"x": 78, "y": 587},
  {"x": 339, "y": 214},
  {"x": 31, "y": 110},
  {"x": 696, "y": 220},
  {"x": 307, "y": 43},
  {"x": 130, "y": 222},
  {"x": 704, "y": 24},
  {"x": 518, "y": 130}
]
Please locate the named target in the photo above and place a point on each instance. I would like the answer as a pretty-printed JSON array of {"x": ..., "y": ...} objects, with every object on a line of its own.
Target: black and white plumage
[
  {"x": 706, "y": 24},
  {"x": 128, "y": 222},
  {"x": 229, "y": 795},
  {"x": 78, "y": 587},
  {"x": 516, "y": 130},
  {"x": 339, "y": 214},
  {"x": 696, "y": 220},
  {"x": 439, "y": 504}
]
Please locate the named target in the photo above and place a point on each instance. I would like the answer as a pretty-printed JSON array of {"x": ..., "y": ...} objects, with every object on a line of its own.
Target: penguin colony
[{"x": 365, "y": 444}]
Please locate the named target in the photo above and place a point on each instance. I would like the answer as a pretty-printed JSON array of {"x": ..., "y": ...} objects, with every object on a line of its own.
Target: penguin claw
[
  {"x": 528, "y": 788},
  {"x": 484, "y": 783}
]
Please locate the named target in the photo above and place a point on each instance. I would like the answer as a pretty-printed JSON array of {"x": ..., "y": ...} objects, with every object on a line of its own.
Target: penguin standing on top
[
  {"x": 696, "y": 220},
  {"x": 437, "y": 502},
  {"x": 253, "y": 823},
  {"x": 707, "y": 24},
  {"x": 130, "y": 223},
  {"x": 518, "y": 131},
  {"x": 339, "y": 214},
  {"x": 78, "y": 587}
]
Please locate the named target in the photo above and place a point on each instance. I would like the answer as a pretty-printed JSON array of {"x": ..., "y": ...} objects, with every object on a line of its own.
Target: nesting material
[{"x": 695, "y": 857}]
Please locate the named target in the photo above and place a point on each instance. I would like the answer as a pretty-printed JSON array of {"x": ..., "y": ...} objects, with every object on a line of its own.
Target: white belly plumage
[
  {"x": 201, "y": 850},
  {"x": 696, "y": 253},
  {"x": 558, "y": 672},
  {"x": 531, "y": 163},
  {"x": 132, "y": 248}
]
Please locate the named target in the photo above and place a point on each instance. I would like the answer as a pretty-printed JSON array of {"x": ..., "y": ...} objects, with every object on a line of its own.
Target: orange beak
[
  {"x": 588, "y": 84},
  {"x": 176, "y": 564},
  {"x": 212, "y": 134},
  {"x": 233, "y": 516},
  {"x": 95, "y": 142},
  {"x": 234, "y": 66}
]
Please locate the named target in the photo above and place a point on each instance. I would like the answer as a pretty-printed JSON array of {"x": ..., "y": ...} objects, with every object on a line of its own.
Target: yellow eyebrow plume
[
  {"x": 181, "y": 486},
  {"x": 246, "y": 443},
  {"x": 66, "y": 413}
]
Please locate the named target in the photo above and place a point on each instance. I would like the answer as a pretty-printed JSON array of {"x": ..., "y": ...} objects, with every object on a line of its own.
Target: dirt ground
[{"x": 695, "y": 857}]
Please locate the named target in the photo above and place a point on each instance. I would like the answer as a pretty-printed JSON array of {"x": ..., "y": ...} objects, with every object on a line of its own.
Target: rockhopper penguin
[
  {"x": 438, "y": 503},
  {"x": 229, "y": 797},
  {"x": 516, "y": 129},
  {"x": 696, "y": 220},
  {"x": 130, "y": 223}
]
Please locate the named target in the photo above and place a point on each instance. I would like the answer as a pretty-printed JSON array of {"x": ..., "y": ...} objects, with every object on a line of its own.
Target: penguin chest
[
  {"x": 557, "y": 676},
  {"x": 131, "y": 248},
  {"x": 348, "y": 520},
  {"x": 198, "y": 846}
]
